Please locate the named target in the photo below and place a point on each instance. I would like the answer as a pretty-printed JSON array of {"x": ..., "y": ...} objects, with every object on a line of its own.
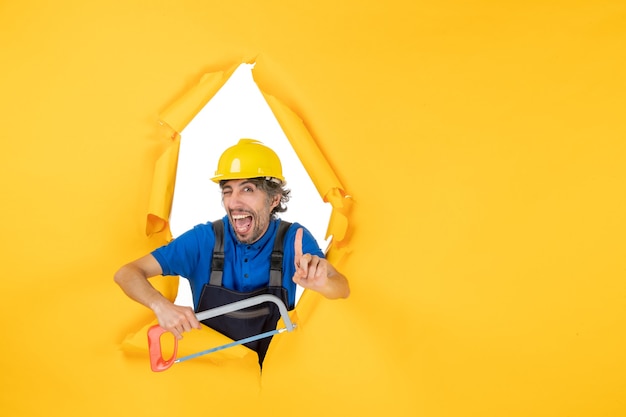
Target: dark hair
[{"x": 272, "y": 188}]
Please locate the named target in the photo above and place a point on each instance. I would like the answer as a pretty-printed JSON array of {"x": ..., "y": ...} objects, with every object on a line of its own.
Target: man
[{"x": 253, "y": 192}]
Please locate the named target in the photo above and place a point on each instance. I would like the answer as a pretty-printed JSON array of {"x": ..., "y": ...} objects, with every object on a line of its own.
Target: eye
[{"x": 226, "y": 192}]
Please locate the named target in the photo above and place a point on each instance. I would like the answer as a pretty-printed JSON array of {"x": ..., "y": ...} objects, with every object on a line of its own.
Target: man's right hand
[{"x": 175, "y": 319}]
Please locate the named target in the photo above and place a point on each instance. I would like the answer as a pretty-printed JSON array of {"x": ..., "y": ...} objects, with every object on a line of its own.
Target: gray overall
[{"x": 252, "y": 320}]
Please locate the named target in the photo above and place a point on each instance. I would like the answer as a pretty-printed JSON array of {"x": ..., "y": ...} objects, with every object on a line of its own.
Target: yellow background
[{"x": 482, "y": 142}]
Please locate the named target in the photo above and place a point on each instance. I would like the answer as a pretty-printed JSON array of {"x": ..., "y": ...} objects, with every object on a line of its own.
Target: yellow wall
[{"x": 483, "y": 144}]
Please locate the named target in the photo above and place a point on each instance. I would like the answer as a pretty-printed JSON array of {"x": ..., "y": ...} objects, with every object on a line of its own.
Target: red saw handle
[{"x": 157, "y": 362}]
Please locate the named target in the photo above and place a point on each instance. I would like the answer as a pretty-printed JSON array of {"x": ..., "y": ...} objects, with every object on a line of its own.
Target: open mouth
[{"x": 242, "y": 223}]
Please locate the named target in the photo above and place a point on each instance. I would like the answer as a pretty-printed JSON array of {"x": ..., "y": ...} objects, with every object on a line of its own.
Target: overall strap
[
  {"x": 217, "y": 264},
  {"x": 276, "y": 262}
]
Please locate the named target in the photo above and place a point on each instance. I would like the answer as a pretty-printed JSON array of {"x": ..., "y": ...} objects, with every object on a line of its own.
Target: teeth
[{"x": 239, "y": 216}]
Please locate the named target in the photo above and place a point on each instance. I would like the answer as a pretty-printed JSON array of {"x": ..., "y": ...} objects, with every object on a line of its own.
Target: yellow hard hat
[{"x": 248, "y": 159}]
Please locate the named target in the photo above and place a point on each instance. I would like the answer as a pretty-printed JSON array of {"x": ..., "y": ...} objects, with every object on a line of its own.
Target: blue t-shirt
[{"x": 246, "y": 266}]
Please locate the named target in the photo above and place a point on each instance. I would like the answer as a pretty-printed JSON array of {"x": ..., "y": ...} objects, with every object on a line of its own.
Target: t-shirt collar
[{"x": 259, "y": 243}]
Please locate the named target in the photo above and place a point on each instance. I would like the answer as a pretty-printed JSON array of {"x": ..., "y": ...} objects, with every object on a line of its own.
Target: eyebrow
[{"x": 243, "y": 184}]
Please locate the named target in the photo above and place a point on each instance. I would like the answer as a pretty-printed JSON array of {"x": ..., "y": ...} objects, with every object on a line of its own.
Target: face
[{"x": 249, "y": 209}]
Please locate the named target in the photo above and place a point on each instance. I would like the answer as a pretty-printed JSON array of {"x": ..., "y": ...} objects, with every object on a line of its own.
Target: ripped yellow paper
[
  {"x": 183, "y": 110},
  {"x": 176, "y": 117}
]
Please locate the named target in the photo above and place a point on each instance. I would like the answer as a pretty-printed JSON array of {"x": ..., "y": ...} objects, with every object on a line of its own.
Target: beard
[{"x": 251, "y": 228}]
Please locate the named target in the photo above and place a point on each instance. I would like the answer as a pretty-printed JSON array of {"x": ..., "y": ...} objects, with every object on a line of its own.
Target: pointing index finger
[{"x": 298, "y": 246}]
